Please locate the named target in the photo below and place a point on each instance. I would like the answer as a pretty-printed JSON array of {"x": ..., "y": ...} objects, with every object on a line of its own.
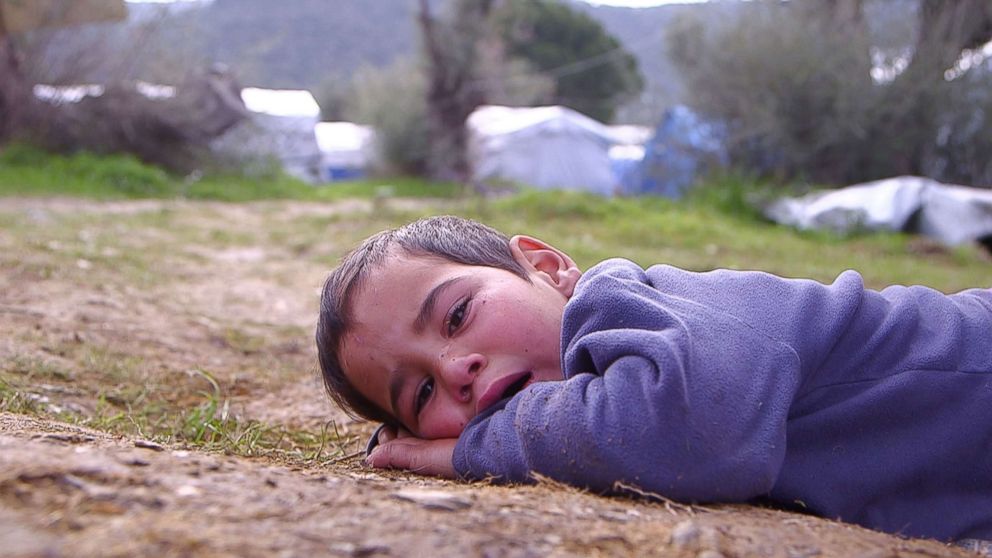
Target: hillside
[
  {"x": 304, "y": 43},
  {"x": 301, "y": 43}
]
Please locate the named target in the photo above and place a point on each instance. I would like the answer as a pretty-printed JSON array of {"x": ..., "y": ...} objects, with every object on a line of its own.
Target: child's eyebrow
[{"x": 427, "y": 308}]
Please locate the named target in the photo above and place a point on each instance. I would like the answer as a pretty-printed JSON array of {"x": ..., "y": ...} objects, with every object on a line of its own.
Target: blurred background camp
[
  {"x": 496, "y": 95},
  {"x": 177, "y": 178}
]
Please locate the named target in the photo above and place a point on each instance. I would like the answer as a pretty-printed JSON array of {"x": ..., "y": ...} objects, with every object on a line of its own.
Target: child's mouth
[
  {"x": 500, "y": 390},
  {"x": 517, "y": 386}
]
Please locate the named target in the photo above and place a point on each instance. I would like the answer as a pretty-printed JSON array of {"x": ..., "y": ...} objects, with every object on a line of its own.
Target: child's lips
[{"x": 494, "y": 392}]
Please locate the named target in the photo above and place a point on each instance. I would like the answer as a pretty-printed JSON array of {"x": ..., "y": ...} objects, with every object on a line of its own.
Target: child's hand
[{"x": 404, "y": 451}]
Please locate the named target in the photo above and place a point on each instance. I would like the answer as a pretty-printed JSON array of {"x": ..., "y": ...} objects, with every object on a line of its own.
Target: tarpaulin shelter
[
  {"x": 684, "y": 145},
  {"x": 550, "y": 147},
  {"x": 280, "y": 128},
  {"x": 948, "y": 213},
  {"x": 346, "y": 150}
]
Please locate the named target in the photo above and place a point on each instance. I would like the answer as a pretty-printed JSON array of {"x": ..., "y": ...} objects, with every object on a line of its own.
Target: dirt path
[{"x": 158, "y": 398}]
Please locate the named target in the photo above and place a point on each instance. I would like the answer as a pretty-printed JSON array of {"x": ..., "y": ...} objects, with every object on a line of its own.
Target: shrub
[
  {"x": 392, "y": 100},
  {"x": 803, "y": 89}
]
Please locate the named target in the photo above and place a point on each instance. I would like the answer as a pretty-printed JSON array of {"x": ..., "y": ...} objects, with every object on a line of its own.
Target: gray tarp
[
  {"x": 948, "y": 213},
  {"x": 544, "y": 147}
]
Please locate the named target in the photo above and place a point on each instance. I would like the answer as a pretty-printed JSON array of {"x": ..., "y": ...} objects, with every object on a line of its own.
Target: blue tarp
[{"x": 683, "y": 146}]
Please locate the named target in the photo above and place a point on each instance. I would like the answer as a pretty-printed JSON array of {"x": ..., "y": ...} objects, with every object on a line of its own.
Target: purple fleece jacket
[{"x": 872, "y": 407}]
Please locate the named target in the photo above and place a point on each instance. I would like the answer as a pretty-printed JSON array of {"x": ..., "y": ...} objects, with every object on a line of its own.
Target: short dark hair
[{"x": 447, "y": 237}]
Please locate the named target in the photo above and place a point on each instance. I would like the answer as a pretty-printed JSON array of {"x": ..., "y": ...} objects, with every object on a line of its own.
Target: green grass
[
  {"x": 716, "y": 226},
  {"x": 206, "y": 422},
  {"x": 28, "y": 171},
  {"x": 399, "y": 187},
  {"x": 13, "y": 400},
  {"x": 209, "y": 424}
]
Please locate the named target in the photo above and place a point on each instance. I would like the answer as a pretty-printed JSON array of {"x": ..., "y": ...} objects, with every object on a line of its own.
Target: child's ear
[{"x": 551, "y": 264}]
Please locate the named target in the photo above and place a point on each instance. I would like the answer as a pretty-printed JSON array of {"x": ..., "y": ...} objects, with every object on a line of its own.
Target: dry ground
[{"x": 158, "y": 397}]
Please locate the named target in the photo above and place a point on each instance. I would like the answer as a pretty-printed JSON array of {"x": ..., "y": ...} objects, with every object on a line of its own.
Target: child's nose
[{"x": 458, "y": 374}]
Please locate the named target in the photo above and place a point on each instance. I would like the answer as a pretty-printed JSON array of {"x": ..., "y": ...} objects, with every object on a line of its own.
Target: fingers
[
  {"x": 425, "y": 457},
  {"x": 386, "y": 434},
  {"x": 390, "y": 433}
]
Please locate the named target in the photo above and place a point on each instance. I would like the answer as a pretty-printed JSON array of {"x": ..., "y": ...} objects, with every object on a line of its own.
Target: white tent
[
  {"x": 948, "y": 213},
  {"x": 346, "y": 149},
  {"x": 544, "y": 147},
  {"x": 281, "y": 128},
  {"x": 68, "y": 94}
]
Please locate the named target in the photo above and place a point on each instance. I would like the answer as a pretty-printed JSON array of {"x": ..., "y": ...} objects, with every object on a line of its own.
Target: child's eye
[
  {"x": 457, "y": 316},
  {"x": 423, "y": 395}
]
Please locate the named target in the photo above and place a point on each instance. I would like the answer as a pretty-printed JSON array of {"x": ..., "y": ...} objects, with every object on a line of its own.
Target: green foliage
[
  {"x": 393, "y": 101},
  {"x": 799, "y": 88},
  {"x": 593, "y": 74},
  {"x": 794, "y": 90}
]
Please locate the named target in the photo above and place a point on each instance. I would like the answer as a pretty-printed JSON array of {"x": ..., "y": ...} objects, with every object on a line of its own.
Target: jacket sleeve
[{"x": 664, "y": 392}]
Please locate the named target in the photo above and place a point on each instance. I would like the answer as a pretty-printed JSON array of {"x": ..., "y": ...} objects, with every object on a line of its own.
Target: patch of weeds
[
  {"x": 129, "y": 415},
  {"x": 117, "y": 422},
  {"x": 212, "y": 426},
  {"x": 35, "y": 368},
  {"x": 209, "y": 421},
  {"x": 114, "y": 367},
  {"x": 15, "y": 401},
  {"x": 327, "y": 445},
  {"x": 127, "y": 396}
]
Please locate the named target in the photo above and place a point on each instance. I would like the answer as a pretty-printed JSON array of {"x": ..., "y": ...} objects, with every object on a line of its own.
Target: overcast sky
[
  {"x": 641, "y": 3},
  {"x": 628, "y": 3}
]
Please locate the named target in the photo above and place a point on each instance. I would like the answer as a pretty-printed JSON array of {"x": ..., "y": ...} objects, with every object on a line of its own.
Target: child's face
[{"x": 436, "y": 342}]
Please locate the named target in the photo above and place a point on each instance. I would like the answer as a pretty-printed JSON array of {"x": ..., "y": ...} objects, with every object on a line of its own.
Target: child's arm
[{"x": 680, "y": 397}]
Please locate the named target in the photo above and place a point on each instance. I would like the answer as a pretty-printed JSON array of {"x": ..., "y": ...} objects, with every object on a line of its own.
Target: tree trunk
[
  {"x": 15, "y": 92},
  {"x": 452, "y": 93}
]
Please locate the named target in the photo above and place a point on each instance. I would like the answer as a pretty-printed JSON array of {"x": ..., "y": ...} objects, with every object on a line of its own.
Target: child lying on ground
[{"x": 502, "y": 360}]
